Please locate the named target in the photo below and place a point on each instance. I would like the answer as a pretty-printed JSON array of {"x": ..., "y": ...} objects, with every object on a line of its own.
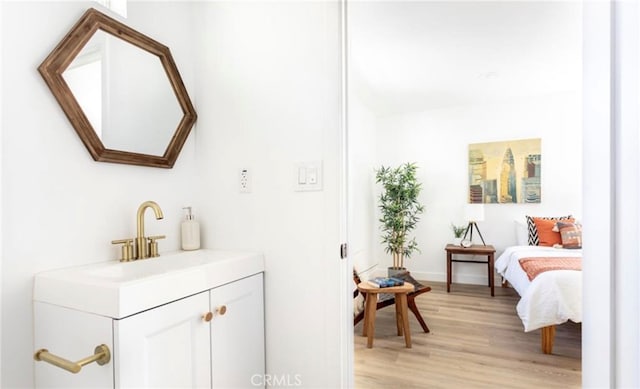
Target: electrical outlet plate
[{"x": 244, "y": 180}]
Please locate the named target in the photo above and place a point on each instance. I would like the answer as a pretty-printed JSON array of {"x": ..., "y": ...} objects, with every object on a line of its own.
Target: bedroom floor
[{"x": 476, "y": 341}]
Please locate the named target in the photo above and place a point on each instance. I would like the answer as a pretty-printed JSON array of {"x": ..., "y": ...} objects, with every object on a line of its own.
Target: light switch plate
[{"x": 308, "y": 176}]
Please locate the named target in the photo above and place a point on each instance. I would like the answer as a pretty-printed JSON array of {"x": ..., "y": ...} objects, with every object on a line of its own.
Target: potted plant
[
  {"x": 458, "y": 232},
  {"x": 399, "y": 208}
]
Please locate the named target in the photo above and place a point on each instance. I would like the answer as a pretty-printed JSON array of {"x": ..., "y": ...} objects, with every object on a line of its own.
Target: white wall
[
  {"x": 269, "y": 97},
  {"x": 1, "y": 179},
  {"x": 59, "y": 207},
  {"x": 363, "y": 225},
  {"x": 437, "y": 140},
  {"x": 611, "y": 345},
  {"x": 627, "y": 192}
]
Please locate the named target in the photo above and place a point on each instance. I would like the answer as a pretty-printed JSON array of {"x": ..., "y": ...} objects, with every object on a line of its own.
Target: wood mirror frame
[{"x": 61, "y": 57}]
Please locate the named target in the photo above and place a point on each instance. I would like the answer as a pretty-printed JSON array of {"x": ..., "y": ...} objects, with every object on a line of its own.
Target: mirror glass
[
  {"x": 121, "y": 92},
  {"x": 125, "y": 94}
]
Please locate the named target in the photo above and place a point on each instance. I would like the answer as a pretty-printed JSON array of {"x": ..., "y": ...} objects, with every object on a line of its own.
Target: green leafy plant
[
  {"x": 458, "y": 231},
  {"x": 399, "y": 206}
]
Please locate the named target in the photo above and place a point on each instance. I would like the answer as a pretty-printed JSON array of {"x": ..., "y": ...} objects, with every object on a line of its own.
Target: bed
[{"x": 552, "y": 297}]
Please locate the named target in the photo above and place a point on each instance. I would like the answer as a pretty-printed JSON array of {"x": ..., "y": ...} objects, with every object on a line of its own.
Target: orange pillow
[{"x": 546, "y": 235}]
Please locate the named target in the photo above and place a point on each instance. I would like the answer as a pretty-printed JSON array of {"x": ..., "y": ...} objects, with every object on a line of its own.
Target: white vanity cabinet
[
  {"x": 174, "y": 346},
  {"x": 213, "y": 338}
]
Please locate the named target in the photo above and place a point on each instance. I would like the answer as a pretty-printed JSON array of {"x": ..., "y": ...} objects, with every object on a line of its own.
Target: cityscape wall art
[{"x": 505, "y": 172}]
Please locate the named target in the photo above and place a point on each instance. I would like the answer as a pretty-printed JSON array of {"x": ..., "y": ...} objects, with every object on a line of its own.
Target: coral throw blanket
[{"x": 537, "y": 265}]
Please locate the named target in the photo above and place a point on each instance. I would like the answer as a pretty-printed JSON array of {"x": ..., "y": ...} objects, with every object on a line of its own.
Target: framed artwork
[{"x": 505, "y": 172}]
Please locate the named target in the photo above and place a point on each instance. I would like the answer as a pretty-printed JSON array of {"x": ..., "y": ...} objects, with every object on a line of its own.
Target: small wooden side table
[
  {"x": 402, "y": 320},
  {"x": 488, "y": 251}
]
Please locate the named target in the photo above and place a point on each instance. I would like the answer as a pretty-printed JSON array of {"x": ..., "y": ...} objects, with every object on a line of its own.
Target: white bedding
[{"x": 553, "y": 297}]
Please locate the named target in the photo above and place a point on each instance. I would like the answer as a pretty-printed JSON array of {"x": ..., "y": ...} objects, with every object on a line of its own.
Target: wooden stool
[{"x": 402, "y": 320}]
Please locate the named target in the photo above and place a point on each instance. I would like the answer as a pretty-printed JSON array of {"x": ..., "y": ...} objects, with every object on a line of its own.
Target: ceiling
[{"x": 418, "y": 55}]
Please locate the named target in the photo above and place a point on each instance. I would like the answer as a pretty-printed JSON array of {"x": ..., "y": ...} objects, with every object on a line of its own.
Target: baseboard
[{"x": 472, "y": 279}]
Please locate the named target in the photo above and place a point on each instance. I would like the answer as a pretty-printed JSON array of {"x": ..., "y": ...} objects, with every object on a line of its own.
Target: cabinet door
[
  {"x": 167, "y": 346},
  {"x": 237, "y": 336}
]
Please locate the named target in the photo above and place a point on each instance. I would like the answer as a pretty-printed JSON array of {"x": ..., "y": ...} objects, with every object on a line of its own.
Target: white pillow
[{"x": 522, "y": 233}]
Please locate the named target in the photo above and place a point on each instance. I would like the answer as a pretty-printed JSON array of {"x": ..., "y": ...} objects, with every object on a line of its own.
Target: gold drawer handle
[
  {"x": 207, "y": 316},
  {"x": 221, "y": 310},
  {"x": 101, "y": 355}
]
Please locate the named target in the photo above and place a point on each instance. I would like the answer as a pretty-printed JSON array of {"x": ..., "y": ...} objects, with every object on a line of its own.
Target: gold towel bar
[{"x": 102, "y": 355}]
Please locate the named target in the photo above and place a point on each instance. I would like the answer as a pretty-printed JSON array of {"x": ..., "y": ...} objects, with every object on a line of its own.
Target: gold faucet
[{"x": 142, "y": 250}]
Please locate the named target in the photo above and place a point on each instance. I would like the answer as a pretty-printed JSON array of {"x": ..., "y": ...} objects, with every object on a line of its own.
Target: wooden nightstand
[{"x": 488, "y": 251}]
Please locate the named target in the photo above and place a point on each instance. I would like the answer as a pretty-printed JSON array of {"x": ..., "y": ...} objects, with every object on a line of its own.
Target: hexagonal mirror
[{"x": 121, "y": 92}]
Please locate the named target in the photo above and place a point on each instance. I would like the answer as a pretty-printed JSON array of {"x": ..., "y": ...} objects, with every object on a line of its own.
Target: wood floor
[{"x": 476, "y": 341}]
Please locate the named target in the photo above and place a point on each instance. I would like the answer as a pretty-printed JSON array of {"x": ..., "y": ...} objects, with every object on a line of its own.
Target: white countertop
[{"x": 119, "y": 289}]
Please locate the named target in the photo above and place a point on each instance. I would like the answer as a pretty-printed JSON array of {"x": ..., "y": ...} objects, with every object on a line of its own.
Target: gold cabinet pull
[
  {"x": 221, "y": 310},
  {"x": 101, "y": 355},
  {"x": 207, "y": 316}
]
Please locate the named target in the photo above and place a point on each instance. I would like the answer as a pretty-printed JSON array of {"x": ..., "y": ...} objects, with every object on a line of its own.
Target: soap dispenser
[{"x": 190, "y": 229}]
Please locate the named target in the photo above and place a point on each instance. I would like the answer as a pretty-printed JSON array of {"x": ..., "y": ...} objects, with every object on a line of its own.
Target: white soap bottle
[{"x": 190, "y": 230}]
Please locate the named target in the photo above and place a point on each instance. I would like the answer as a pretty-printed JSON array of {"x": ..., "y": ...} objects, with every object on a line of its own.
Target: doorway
[{"x": 425, "y": 79}]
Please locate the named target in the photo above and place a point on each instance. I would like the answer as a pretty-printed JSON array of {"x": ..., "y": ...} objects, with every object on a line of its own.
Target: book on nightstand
[{"x": 385, "y": 282}]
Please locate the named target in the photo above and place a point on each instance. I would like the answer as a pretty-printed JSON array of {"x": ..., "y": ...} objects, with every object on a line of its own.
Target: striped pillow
[
  {"x": 534, "y": 239},
  {"x": 571, "y": 234}
]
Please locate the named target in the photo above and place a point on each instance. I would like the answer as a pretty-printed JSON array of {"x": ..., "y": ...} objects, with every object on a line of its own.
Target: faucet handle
[
  {"x": 126, "y": 250},
  {"x": 153, "y": 245}
]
